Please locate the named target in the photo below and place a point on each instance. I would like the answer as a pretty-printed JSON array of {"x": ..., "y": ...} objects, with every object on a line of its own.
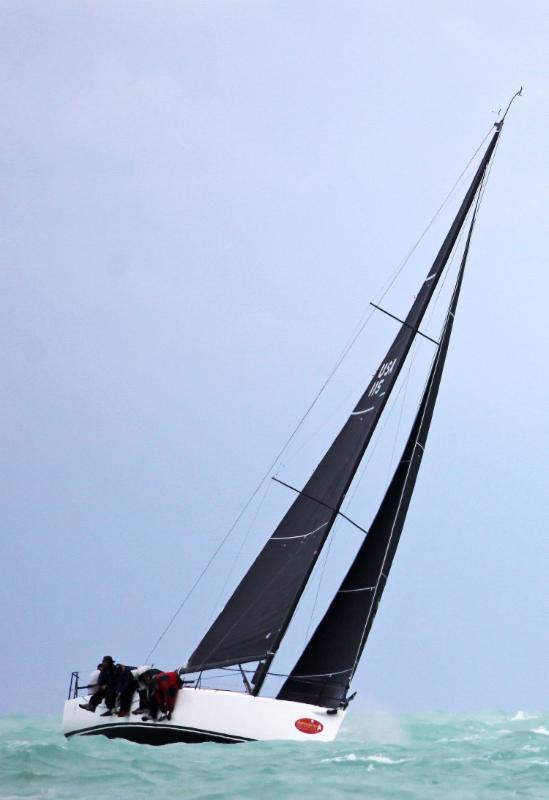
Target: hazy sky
[{"x": 199, "y": 201}]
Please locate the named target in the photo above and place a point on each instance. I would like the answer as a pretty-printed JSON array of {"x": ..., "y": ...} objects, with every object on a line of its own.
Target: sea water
[{"x": 466, "y": 757}]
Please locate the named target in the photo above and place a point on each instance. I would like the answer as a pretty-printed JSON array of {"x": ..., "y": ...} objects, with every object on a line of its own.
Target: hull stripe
[{"x": 149, "y": 731}]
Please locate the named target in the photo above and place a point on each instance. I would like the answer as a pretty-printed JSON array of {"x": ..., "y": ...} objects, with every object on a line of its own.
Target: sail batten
[{"x": 257, "y": 614}]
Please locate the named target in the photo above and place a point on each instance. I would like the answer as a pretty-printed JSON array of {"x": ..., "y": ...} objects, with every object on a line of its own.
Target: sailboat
[{"x": 314, "y": 697}]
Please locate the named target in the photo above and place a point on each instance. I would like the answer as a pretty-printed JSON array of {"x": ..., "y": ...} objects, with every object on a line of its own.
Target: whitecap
[
  {"x": 472, "y": 738},
  {"x": 348, "y": 757},
  {"x": 542, "y": 730},
  {"x": 520, "y": 716},
  {"x": 377, "y": 759}
]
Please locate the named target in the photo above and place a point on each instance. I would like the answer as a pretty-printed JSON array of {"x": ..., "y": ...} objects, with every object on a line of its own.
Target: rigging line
[
  {"x": 242, "y": 544},
  {"x": 403, "y": 322},
  {"x": 360, "y": 327},
  {"x": 213, "y": 557},
  {"x": 405, "y": 384},
  {"x": 258, "y": 487},
  {"x": 437, "y": 356},
  {"x": 379, "y": 434},
  {"x": 340, "y": 514},
  {"x": 304, "y": 678},
  {"x": 319, "y": 584},
  {"x": 429, "y": 317},
  {"x": 260, "y": 484},
  {"x": 431, "y": 314},
  {"x": 403, "y": 387},
  {"x": 300, "y": 422},
  {"x": 252, "y": 671},
  {"x": 354, "y": 666},
  {"x": 320, "y": 503},
  {"x": 485, "y": 182},
  {"x": 380, "y": 431},
  {"x": 432, "y": 220},
  {"x": 338, "y": 363},
  {"x": 331, "y": 415},
  {"x": 405, "y": 392},
  {"x": 266, "y": 587}
]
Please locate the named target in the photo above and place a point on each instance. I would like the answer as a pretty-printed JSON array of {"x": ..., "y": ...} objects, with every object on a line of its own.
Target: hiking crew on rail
[{"x": 115, "y": 684}]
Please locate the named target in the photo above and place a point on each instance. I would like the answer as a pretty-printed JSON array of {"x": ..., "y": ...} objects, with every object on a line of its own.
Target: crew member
[
  {"x": 106, "y": 686},
  {"x": 125, "y": 687},
  {"x": 163, "y": 689},
  {"x": 142, "y": 676}
]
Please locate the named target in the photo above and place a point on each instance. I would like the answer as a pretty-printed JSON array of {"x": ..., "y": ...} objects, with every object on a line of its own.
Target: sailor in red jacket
[{"x": 163, "y": 689}]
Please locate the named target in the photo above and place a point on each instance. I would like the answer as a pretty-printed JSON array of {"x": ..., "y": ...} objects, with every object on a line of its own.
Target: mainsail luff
[
  {"x": 323, "y": 673},
  {"x": 256, "y": 616}
]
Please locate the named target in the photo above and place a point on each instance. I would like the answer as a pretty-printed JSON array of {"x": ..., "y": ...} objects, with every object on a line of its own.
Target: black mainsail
[
  {"x": 323, "y": 673},
  {"x": 251, "y": 625}
]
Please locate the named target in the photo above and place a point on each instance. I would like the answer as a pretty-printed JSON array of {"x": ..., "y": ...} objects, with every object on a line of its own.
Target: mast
[
  {"x": 253, "y": 622},
  {"x": 324, "y": 671}
]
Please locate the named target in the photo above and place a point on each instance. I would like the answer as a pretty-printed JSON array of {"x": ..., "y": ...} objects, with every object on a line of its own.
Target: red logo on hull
[{"x": 307, "y": 725}]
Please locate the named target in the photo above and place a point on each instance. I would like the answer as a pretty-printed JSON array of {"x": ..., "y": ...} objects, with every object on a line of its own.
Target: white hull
[{"x": 202, "y": 715}]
